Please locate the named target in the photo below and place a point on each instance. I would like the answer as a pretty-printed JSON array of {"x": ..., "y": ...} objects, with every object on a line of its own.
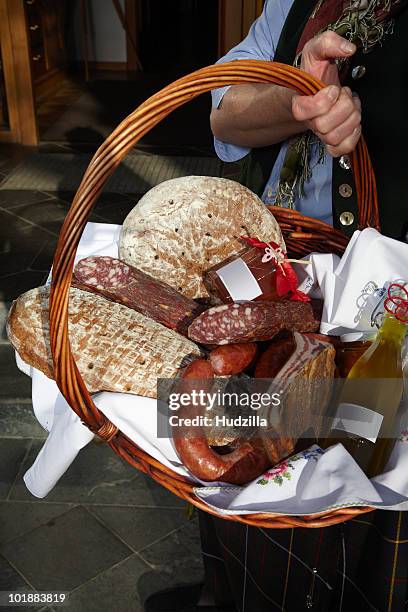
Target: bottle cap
[{"x": 358, "y": 337}]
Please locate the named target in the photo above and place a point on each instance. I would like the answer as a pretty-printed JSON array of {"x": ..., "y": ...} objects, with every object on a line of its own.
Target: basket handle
[{"x": 101, "y": 167}]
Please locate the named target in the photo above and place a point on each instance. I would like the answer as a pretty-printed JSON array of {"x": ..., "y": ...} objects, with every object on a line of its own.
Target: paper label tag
[
  {"x": 307, "y": 283},
  {"x": 239, "y": 281},
  {"x": 359, "y": 421}
]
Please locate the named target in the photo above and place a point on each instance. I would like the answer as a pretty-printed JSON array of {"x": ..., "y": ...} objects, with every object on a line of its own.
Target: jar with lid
[{"x": 352, "y": 346}]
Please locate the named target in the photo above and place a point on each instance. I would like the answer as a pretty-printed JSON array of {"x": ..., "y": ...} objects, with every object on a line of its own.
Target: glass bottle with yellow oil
[{"x": 364, "y": 420}]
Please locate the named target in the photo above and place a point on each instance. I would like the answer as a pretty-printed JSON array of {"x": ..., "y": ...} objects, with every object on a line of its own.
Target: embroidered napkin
[{"x": 354, "y": 287}]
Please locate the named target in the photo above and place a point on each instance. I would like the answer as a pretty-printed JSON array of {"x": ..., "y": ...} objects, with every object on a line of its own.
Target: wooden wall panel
[
  {"x": 235, "y": 19},
  {"x": 250, "y": 11},
  {"x": 230, "y": 24}
]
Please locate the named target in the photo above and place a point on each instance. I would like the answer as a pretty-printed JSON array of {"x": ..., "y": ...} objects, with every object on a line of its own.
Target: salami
[
  {"x": 254, "y": 321},
  {"x": 103, "y": 273},
  {"x": 122, "y": 283},
  {"x": 240, "y": 466},
  {"x": 232, "y": 359}
]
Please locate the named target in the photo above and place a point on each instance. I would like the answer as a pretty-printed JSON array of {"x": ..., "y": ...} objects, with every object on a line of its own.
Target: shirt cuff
[
  {"x": 218, "y": 94},
  {"x": 228, "y": 152}
]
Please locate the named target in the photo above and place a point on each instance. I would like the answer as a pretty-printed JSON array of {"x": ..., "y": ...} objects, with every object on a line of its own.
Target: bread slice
[
  {"x": 184, "y": 226},
  {"x": 115, "y": 348}
]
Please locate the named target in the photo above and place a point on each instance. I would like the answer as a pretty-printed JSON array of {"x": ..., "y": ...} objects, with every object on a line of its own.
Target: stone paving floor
[{"x": 106, "y": 534}]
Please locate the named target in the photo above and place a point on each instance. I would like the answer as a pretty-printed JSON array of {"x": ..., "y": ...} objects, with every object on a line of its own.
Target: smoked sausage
[
  {"x": 274, "y": 358},
  {"x": 232, "y": 359},
  {"x": 200, "y": 369}
]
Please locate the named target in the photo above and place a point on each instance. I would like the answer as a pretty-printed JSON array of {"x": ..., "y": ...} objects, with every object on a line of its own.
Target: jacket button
[
  {"x": 345, "y": 190},
  {"x": 358, "y": 72},
  {"x": 345, "y": 162},
  {"x": 347, "y": 218}
]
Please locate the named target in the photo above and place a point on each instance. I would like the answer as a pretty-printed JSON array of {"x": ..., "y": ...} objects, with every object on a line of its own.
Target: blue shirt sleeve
[{"x": 260, "y": 44}]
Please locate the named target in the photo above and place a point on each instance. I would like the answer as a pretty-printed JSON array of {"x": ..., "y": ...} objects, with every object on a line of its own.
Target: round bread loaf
[{"x": 186, "y": 225}]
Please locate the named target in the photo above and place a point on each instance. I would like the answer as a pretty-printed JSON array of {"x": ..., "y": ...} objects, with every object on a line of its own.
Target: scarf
[{"x": 363, "y": 22}]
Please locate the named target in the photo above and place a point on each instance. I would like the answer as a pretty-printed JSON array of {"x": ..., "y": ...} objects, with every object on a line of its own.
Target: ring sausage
[{"x": 240, "y": 466}]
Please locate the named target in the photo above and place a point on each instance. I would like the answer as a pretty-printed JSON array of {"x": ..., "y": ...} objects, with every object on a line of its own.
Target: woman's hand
[{"x": 333, "y": 114}]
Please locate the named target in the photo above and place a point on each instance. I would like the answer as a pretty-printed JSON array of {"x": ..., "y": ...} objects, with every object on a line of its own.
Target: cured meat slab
[{"x": 122, "y": 283}]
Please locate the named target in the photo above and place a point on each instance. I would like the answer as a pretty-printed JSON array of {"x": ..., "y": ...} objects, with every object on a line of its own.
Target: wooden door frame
[
  {"x": 16, "y": 59},
  {"x": 235, "y": 18},
  {"x": 132, "y": 14}
]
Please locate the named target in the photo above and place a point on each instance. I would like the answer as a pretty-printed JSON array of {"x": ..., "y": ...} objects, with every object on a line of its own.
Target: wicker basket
[{"x": 302, "y": 235}]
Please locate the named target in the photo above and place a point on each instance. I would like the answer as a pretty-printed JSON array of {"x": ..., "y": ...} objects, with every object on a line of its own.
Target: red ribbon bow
[{"x": 286, "y": 279}]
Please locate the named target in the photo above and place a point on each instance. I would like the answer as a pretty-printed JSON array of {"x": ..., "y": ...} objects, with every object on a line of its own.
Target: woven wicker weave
[{"x": 302, "y": 236}]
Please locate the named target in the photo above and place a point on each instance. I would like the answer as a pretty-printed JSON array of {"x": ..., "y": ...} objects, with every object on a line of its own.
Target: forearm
[{"x": 255, "y": 115}]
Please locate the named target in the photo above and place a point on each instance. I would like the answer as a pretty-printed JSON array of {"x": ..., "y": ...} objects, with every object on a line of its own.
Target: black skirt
[{"x": 358, "y": 565}]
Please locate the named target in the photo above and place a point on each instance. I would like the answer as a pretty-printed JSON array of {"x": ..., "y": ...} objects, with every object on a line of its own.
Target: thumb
[{"x": 330, "y": 45}]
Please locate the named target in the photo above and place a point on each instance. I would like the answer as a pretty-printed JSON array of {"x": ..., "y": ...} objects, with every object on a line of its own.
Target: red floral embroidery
[
  {"x": 403, "y": 437},
  {"x": 283, "y": 469}
]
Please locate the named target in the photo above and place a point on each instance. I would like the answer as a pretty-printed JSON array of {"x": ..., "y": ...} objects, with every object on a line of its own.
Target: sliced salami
[
  {"x": 122, "y": 283},
  {"x": 103, "y": 272},
  {"x": 254, "y": 321}
]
